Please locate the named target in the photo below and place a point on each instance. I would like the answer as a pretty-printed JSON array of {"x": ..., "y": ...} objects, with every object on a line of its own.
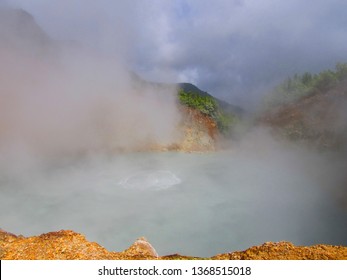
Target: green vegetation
[
  {"x": 306, "y": 84},
  {"x": 207, "y": 105}
]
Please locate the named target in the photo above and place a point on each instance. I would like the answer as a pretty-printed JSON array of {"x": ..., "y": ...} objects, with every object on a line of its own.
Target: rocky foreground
[{"x": 69, "y": 245}]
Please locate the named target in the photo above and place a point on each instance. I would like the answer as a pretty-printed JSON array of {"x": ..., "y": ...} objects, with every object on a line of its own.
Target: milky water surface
[{"x": 193, "y": 204}]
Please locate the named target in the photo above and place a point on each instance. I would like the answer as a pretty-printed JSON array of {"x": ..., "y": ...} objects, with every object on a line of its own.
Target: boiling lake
[{"x": 192, "y": 204}]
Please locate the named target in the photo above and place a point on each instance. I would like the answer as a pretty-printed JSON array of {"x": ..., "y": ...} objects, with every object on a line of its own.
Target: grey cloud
[
  {"x": 233, "y": 49},
  {"x": 262, "y": 44}
]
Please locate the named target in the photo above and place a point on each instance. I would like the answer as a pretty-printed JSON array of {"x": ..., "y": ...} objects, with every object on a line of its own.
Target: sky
[{"x": 234, "y": 49}]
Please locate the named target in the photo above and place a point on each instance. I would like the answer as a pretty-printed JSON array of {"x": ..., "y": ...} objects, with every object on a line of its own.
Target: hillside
[
  {"x": 192, "y": 98},
  {"x": 311, "y": 109},
  {"x": 225, "y": 106},
  {"x": 205, "y": 118},
  {"x": 19, "y": 30}
]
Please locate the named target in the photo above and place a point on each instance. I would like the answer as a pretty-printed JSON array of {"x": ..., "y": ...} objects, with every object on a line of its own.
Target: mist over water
[{"x": 193, "y": 204}]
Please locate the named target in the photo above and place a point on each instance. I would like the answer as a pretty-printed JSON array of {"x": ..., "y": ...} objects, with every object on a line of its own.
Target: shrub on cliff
[
  {"x": 208, "y": 106},
  {"x": 306, "y": 84}
]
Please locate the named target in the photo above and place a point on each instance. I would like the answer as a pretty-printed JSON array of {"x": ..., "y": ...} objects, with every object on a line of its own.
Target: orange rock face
[
  {"x": 62, "y": 245},
  {"x": 69, "y": 245},
  {"x": 287, "y": 251},
  {"x": 199, "y": 132}
]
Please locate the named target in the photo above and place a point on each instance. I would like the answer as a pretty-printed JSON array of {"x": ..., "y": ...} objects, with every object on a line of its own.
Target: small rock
[{"x": 142, "y": 247}]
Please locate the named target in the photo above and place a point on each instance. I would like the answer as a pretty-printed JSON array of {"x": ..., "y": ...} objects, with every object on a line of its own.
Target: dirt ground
[{"x": 69, "y": 245}]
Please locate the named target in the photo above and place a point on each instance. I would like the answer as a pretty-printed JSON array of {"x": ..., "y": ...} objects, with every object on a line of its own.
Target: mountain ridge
[
  {"x": 230, "y": 108},
  {"x": 19, "y": 29}
]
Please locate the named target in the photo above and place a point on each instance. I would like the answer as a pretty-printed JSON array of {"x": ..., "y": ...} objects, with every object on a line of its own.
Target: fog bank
[{"x": 60, "y": 99}]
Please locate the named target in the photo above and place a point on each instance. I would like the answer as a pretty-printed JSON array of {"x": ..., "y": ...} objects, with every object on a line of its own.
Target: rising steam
[{"x": 60, "y": 100}]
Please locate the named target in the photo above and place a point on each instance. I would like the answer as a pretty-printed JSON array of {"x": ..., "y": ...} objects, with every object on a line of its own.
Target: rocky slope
[
  {"x": 199, "y": 133},
  {"x": 317, "y": 120},
  {"x": 69, "y": 245}
]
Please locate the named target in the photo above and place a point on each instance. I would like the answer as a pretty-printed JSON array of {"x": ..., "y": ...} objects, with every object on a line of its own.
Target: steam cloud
[{"x": 63, "y": 100}]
